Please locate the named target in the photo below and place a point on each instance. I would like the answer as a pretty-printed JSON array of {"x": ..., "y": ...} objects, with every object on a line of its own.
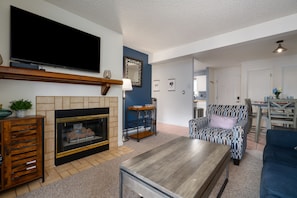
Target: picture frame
[
  {"x": 156, "y": 85},
  {"x": 171, "y": 84},
  {"x": 133, "y": 70}
]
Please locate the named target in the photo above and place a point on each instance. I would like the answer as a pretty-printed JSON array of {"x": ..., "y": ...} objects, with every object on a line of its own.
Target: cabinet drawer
[
  {"x": 17, "y": 162},
  {"x": 21, "y": 128},
  {"x": 24, "y": 170},
  {"x": 133, "y": 187},
  {"x": 23, "y": 122}
]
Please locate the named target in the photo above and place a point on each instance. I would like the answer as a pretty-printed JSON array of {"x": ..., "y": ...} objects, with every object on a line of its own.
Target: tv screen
[{"x": 38, "y": 40}]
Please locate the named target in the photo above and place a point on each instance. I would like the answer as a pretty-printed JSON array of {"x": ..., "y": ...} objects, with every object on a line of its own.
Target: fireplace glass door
[{"x": 78, "y": 134}]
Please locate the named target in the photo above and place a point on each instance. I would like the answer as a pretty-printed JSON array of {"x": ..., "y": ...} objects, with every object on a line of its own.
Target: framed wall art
[{"x": 133, "y": 71}]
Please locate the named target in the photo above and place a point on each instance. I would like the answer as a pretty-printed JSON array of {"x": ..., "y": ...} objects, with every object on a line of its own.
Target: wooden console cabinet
[{"x": 21, "y": 146}]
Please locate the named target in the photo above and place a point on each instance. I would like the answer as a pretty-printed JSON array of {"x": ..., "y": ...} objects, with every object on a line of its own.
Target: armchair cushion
[{"x": 223, "y": 122}]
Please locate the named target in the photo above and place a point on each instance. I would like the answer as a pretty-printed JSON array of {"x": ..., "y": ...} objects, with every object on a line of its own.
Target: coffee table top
[{"x": 183, "y": 167}]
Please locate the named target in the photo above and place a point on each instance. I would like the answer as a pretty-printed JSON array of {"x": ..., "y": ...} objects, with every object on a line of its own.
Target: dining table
[{"x": 262, "y": 105}]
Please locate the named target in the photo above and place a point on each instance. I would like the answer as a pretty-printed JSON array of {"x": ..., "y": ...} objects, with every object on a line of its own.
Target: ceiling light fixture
[{"x": 280, "y": 48}]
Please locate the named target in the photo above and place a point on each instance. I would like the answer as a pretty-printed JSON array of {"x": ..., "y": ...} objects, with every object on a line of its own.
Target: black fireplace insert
[{"x": 79, "y": 133}]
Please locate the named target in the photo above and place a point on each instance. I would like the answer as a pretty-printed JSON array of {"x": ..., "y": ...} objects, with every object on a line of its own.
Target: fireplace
[{"x": 79, "y": 133}]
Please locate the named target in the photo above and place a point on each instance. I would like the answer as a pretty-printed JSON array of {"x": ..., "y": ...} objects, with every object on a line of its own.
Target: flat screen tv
[{"x": 38, "y": 40}]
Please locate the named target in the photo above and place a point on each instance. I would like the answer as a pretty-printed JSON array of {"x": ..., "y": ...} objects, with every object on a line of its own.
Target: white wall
[
  {"x": 174, "y": 107},
  {"x": 211, "y": 85},
  {"x": 263, "y": 75},
  {"x": 283, "y": 70},
  {"x": 111, "y": 57}
]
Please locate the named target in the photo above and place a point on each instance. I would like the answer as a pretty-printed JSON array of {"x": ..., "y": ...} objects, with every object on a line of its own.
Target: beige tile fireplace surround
[{"x": 46, "y": 106}]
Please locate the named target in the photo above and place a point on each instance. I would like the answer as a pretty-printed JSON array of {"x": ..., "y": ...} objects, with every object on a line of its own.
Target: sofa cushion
[
  {"x": 278, "y": 180},
  {"x": 223, "y": 122},
  {"x": 281, "y": 155}
]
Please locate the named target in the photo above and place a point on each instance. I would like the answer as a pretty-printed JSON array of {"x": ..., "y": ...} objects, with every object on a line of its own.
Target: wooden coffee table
[{"x": 182, "y": 167}]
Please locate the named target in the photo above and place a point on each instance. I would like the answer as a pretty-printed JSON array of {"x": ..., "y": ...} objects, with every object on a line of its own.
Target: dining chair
[
  {"x": 282, "y": 113},
  {"x": 251, "y": 115}
]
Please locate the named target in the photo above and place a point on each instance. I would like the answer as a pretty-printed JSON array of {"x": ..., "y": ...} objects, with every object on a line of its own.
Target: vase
[
  {"x": 20, "y": 113},
  {"x": 277, "y": 96},
  {"x": 107, "y": 74}
]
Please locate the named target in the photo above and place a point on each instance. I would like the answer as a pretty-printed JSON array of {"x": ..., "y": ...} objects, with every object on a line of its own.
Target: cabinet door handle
[
  {"x": 31, "y": 167},
  {"x": 31, "y": 162}
]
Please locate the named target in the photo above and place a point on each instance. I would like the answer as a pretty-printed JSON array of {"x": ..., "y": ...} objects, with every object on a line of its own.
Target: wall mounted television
[{"x": 38, "y": 40}]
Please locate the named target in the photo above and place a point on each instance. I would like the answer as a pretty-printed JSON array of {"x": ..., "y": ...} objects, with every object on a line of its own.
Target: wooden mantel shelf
[{"x": 44, "y": 76}]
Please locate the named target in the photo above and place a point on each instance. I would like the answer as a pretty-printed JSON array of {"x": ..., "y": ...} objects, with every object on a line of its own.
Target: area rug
[
  {"x": 244, "y": 180},
  {"x": 102, "y": 181}
]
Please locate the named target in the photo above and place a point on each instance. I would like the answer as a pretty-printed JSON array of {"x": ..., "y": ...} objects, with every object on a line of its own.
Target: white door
[
  {"x": 227, "y": 85},
  {"x": 259, "y": 84},
  {"x": 289, "y": 82}
]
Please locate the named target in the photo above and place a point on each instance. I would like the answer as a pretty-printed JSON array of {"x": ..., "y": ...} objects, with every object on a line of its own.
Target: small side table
[{"x": 145, "y": 117}]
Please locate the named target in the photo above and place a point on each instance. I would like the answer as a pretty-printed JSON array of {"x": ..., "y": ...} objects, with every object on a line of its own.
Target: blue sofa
[{"x": 279, "y": 172}]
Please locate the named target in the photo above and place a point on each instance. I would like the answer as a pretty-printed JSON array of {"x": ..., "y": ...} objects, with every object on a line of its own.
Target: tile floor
[{"x": 71, "y": 168}]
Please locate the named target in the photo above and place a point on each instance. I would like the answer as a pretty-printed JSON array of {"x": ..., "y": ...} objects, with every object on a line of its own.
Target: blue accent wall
[{"x": 139, "y": 95}]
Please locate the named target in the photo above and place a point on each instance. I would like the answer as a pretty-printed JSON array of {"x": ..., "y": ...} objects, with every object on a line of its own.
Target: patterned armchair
[{"x": 236, "y": 137}]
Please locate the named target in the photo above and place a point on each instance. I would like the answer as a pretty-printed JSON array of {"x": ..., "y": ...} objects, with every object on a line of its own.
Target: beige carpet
[
  {"x": 102, "y": 181},
  {"x": 244, "y": 180}
]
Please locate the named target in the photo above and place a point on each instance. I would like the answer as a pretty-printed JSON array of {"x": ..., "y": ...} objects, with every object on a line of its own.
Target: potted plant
[{"x": 20, "y": 106}]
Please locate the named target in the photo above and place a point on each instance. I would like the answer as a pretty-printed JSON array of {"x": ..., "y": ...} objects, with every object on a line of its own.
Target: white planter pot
[{"x": 20, "y": 113}]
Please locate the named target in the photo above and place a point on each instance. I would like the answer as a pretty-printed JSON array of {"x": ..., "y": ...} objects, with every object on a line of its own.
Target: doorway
[
  {"x": 227, "y": 86},
  {"x": 200, "y": 94}
]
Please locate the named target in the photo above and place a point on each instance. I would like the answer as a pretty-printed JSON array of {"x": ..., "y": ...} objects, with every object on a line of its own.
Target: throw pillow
[{"x": 223, "y": 122}]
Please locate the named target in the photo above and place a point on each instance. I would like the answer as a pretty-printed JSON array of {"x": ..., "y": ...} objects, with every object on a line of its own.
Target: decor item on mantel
[
  {"x": 20, "y": 107},
  {"x": 276, "y": 92},
  {"x": 107, "y": 74}
]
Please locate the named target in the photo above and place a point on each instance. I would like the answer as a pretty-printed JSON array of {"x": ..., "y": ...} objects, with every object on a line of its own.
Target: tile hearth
[{"x": 46, "y": 106}]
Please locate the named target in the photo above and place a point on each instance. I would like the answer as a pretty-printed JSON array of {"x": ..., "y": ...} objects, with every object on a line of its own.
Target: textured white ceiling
[{"x": 153, "y": 25}]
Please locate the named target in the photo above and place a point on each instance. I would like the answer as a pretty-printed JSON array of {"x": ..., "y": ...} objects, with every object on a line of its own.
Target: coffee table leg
[{"x": 225, "y": 182}]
